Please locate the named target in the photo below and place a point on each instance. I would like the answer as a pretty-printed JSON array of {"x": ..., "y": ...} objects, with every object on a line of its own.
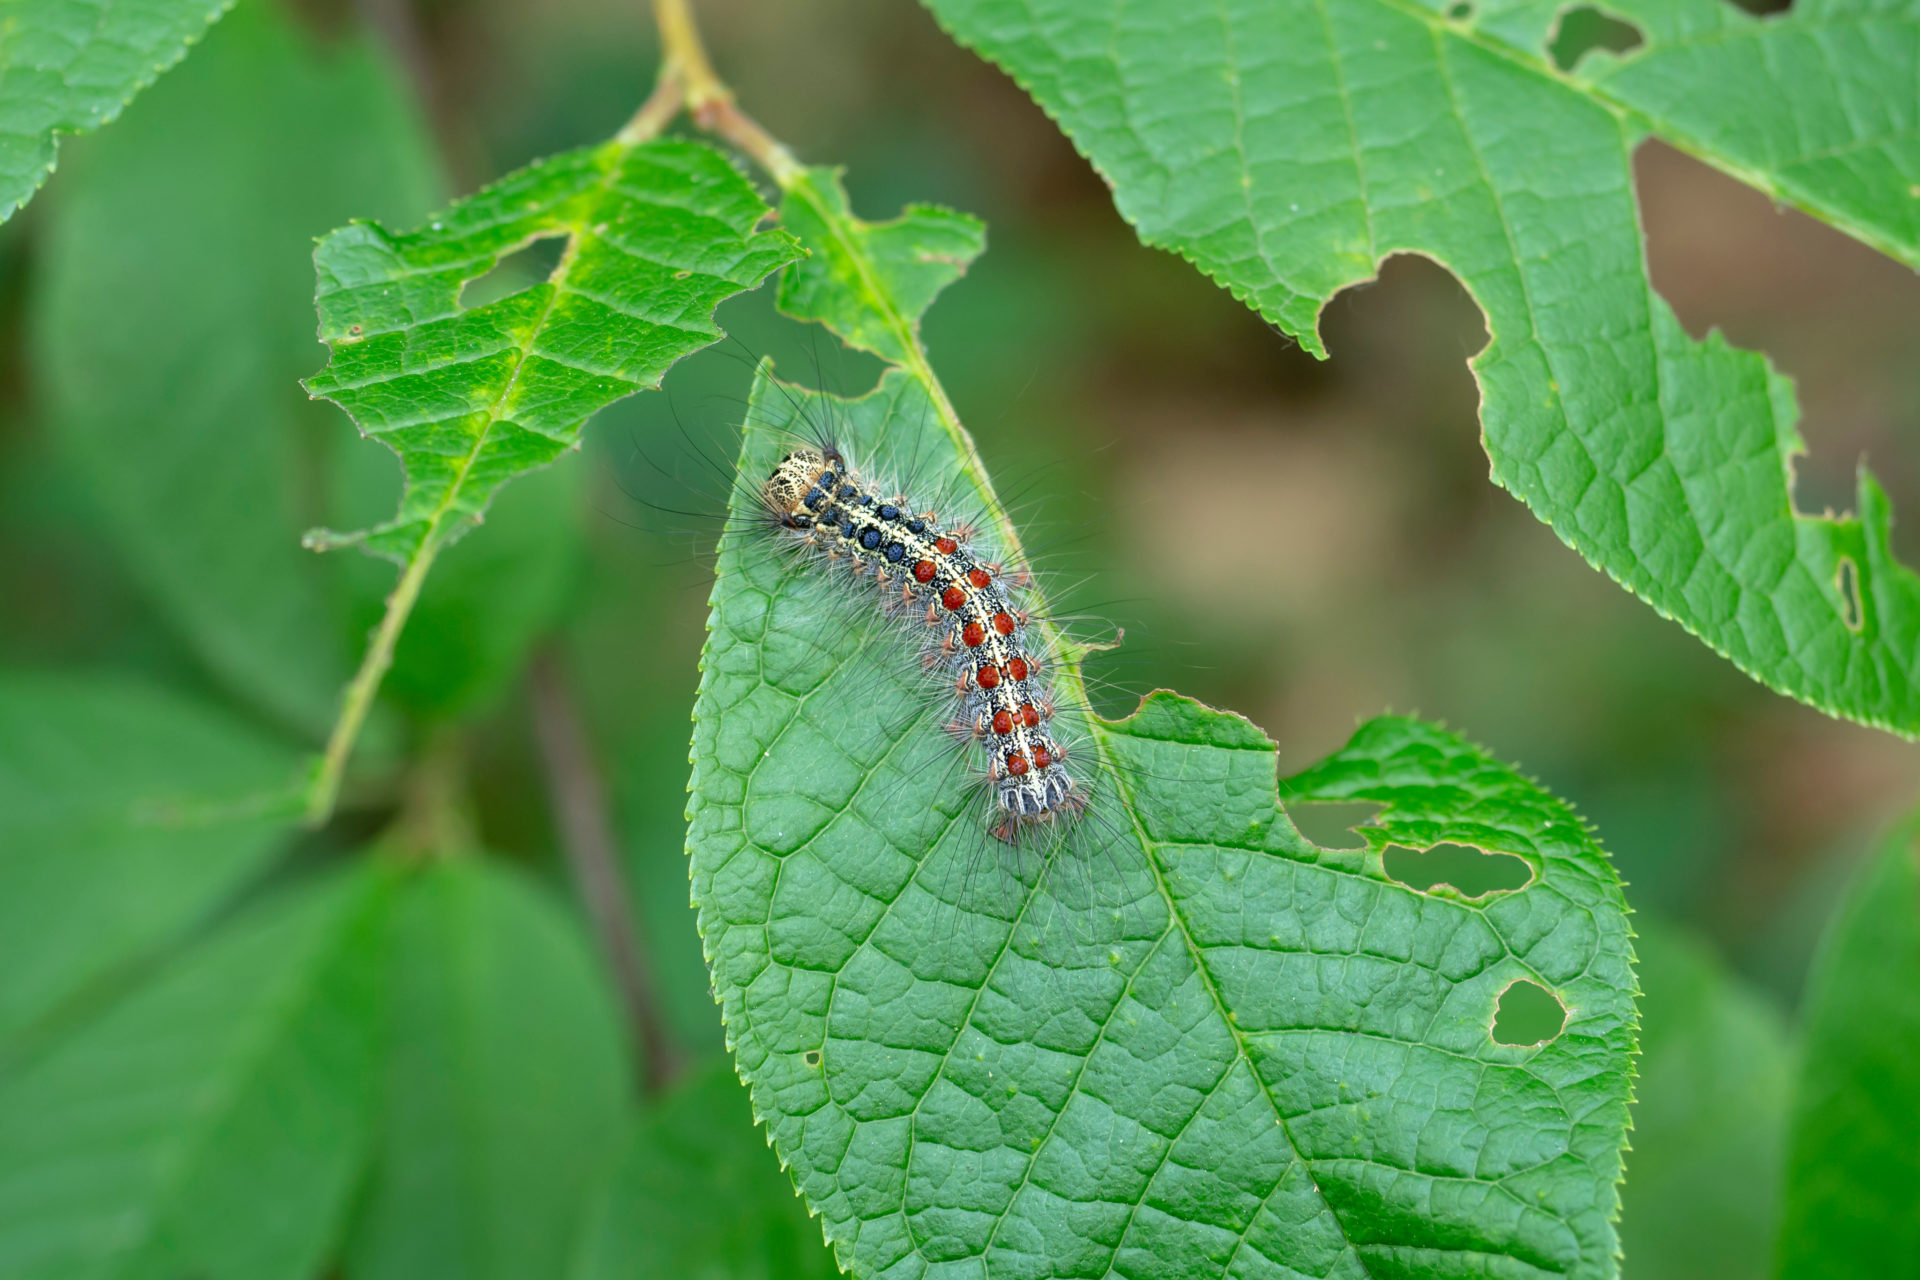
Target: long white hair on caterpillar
[{"x": 887, "y": 584}]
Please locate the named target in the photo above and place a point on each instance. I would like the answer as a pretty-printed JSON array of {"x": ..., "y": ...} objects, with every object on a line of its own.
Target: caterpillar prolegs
[{"x": 975, "y": 626}]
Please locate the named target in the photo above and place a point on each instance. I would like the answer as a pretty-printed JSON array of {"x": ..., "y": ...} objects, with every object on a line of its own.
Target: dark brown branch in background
[
  {"x": 579, "y": 799},
  {"x": 423, "y": 59}
]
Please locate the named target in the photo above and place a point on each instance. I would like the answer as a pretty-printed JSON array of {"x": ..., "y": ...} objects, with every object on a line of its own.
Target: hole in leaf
[
  {"x": 813, "y": 1057},
  {"x": 1847, "y": 580},
  {"x": 1469, "y": 871},
  {"x": 1527, "y": 1015},
  {"x": 521, "y": 269},
  {"x": 1585, "y": 29},
  {"x": 1834, "y": 314},
  {"x": 1460, "y": 11},
  {"x": 1330, "y": 824}
]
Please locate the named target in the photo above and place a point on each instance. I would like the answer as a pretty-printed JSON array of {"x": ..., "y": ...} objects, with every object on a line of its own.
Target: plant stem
[
  {"x": 581, "y": 812},
  {"x": 662, "y": 105},
  {"x": 324, "y": 790},
  {"x": 684, "y": 59},
  {"x": 684, "y": 56}
]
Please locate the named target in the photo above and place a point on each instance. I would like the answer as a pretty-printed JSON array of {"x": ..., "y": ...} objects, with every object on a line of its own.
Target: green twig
[{"x": 324, "y": 790}]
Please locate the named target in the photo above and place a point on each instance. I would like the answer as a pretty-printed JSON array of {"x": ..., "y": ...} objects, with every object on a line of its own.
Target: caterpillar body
[{"x": 978, "y": 631}]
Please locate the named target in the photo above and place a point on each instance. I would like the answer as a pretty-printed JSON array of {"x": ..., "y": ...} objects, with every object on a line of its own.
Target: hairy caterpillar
[
  {"x": 977, "y": 629},
  {"x": 848, "y": 734}
]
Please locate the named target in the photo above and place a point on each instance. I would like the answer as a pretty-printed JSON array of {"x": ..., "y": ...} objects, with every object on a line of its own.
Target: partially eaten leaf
[
  {"x": 1190, "y": 1043},
  {"x": 1288, "y": 147},
  {"x": 658, "y": 235}
]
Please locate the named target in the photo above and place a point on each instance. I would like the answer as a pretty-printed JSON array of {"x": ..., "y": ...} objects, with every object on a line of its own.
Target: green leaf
[
  {"x": 1853, "y": 1168},
  {"x": 871, "y": 282},
  {"x": 174, "y": 319},
  {"x": 698, "y": 1196},
  {"x": 1197, "y": 1044},
  {"x": 1702, "y": 1193},
  {"x": 69, "y": 66},
  {"x": 126, "y": 814},
  {"x": 506, "y": 1094},
  {"x": 657, "y": 235},
  {"x": 213, "y": 1123},
  {"x": 1287, "y": 146}
]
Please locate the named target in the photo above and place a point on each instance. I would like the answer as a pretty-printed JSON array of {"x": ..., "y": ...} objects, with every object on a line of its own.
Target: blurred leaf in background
[
  {"x": 174, "y": 319},
  {"x": 697, "y": 1196},
  {"x": 1702, "y": 1190},
  {"x": 69, "y": 67},
  {"x": 1853, "y": 1176},
  {"x": 128, "y": 815},
  {"x": 213, "y": 1122},
  {"x": 506, "y": 1090}
]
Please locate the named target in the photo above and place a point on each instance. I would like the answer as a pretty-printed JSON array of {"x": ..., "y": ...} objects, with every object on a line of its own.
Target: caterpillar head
[{"x": 785, "y": 492}]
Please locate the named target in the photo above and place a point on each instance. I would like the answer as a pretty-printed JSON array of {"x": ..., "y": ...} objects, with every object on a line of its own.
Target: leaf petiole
[{"x": 324, "y": 789}]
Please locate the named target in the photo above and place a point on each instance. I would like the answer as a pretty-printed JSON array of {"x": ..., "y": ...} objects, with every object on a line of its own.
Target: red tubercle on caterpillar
[
  {"x": 973, "y": 635},
  {"x": 1003, "y": 623},
  {"x": 1042, "y": 757},
  {"x": 945, "y": 546},
  {"x": 923, "y": 571},
  {"x": 1020, "y": 668},
  {"x": 980, "y": 578},
  {"x": 1002, "y": 723},
  {"x": 953, "y": 598},
  {"x": 1016, "y": 763},
  {"x": 988, "y": 677},
  {"x": 1028, "y": 716}
]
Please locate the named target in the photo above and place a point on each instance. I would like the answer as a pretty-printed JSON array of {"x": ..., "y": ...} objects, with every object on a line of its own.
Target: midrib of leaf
[{"x": 1150, "y": 850}]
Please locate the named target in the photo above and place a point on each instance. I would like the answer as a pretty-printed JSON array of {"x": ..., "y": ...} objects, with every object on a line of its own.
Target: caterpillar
[{"x": 978, "y": 630}]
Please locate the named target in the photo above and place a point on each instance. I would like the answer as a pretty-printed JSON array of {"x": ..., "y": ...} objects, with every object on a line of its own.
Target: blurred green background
[{"x": 1343, "y": 551}]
